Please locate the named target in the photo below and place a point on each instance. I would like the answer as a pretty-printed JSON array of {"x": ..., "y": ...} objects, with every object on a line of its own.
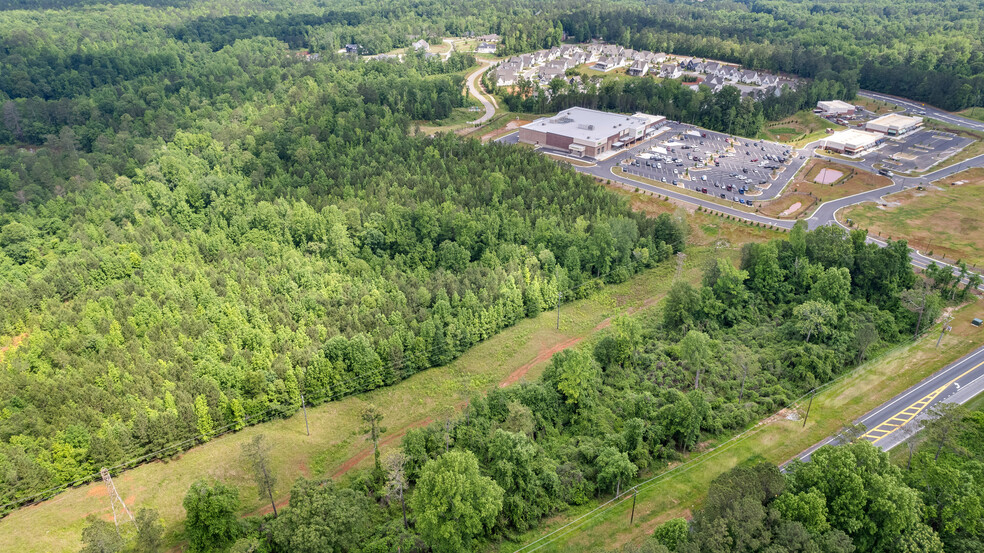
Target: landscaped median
[{"x": 605, "y": 526}]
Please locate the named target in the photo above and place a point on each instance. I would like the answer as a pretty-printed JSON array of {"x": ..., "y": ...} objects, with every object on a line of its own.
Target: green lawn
[
  {"x": 680, "y": 489},
  {"x": 973, "y": 113},
  {"x": 800, "y": 128},
  {"x": 336, "y": 439}
]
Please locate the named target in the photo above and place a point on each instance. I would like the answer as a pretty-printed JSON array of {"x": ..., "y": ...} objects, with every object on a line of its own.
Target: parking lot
[
  {"x": 744, "y": 171},
  {"x": 919, "y": 150}
]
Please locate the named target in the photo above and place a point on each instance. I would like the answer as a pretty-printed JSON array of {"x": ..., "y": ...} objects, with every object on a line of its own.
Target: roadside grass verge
[
  {"x": 337, "y": 442},
  {"x": 973, "y": 113},
  {"x": 776, "y": 440},
  {"x": 944, "y": 221}
]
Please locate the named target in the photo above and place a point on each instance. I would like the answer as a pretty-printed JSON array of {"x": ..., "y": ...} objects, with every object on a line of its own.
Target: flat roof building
[
  {"x": 835, "y": 107},
  {"x": 587, "y": 132},
  {"x": 852, "y": 141},
  {"x": 893, "y": 124}
]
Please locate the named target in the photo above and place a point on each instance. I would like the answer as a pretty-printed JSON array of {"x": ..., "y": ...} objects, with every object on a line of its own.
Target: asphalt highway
[{"x": 892, "y": 422}]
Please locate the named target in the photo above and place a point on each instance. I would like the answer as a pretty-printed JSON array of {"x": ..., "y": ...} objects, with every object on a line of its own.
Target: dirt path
[
  {"x": 366, "y": 452},
  {"x": 542, "y": 356}
]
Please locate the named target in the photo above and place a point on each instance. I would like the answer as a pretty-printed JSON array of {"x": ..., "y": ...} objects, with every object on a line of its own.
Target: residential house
[
  {"x": 639, "y": 68},
  {"x": 769, "y": 80},
  {"x": 612, "y": 50},
  {"x": 351, "y": 48},
  {"x": 671, "y": 71},
  {"x": 485, "y": 48},
  {"x": 712, "y": 68},
  {"x": 715, "y": 83},
  {"x": 750, "y": 77},
  {"x": 658, "y": 57},
  {"x": 489, "y": 38},
  {"x": 505, "y": 77},
  {"x": 420, "y": 45},
  {"x": 548, "y": 73}
]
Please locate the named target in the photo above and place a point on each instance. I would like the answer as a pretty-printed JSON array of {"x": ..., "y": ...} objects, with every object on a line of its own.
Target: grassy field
[
  {"x": 800, "y": 128},
  {"x": 973, "y": 113},
  {"x": 791, "y": 205},
  {"x": 945, "y": 220},
  {"x": 776, "y": 440},
  {"x": 877, "y": 106},
  {"x": 336, "y": 442}
]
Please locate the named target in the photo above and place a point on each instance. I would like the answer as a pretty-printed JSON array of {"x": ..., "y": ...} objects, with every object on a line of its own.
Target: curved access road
[
  {"x": 897, "y": 419},
  {"x": 487, "y": 101}
]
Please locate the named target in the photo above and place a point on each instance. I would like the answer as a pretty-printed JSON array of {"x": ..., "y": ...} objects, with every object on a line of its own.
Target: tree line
[{"x": 750, "y": 338}]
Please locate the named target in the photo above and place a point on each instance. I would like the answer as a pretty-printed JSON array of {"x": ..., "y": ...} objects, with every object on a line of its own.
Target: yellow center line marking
[{"x": 906, "y": 415}]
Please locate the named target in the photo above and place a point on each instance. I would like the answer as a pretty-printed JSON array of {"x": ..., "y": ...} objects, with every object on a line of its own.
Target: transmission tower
[{"x": 114, "y": 499}]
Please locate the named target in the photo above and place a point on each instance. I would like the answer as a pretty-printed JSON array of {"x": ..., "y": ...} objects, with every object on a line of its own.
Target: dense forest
[
  {"x": 200, "y": 225},
  {"x": 224, "y": 280},
  {"x": 718, "y": 356}
]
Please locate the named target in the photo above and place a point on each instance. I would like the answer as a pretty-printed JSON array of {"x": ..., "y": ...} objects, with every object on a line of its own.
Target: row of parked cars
[{"x": 724, "y": 196}]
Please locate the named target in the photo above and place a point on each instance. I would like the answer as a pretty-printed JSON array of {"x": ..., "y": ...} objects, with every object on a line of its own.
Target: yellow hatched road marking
[{"x": 906, "y": 415}]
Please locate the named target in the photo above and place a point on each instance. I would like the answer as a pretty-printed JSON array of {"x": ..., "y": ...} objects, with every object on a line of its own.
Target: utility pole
[
  {"x": 813, "y": 392},
  {"x": 742, "y": 393},
  {"x": 946, "y": 326},
  {"x": 634, "y": 494},
  {"x": 304, "y": 408},
  {"x": 560, "y": 297},
  {"x": 115, "y": 498},
  {"x": 303, "y": 405}
]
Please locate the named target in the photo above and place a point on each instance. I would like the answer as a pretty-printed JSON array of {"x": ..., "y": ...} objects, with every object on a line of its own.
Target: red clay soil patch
[
  {"x": 366, "y": 452},
  {"x": 14, "y": 343},
  {"x": 97, "y": 491},
  {"x": 504, "y": 130},
  {"x": 544, "y": 355}
]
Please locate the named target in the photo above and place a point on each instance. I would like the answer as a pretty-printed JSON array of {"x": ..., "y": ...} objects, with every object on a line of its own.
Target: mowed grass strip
[
  {"x": 336, "y": 436},
  {"x": 946, "y": 220},
  {"x": 775, "y": 440}
]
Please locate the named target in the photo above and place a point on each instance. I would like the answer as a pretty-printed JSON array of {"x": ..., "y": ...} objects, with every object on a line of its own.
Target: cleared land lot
[{"x": 946, "y": 220}]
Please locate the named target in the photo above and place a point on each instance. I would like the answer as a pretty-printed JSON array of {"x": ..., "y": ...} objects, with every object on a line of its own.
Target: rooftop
[
  {"x": 854, "y": 137},
  {"x": 896, "y": 120},
  {"x": 586, "y": 124},
  {"x": 836, "y": 104}
]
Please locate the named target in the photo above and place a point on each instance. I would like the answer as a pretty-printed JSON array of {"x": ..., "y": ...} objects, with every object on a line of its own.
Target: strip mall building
[{"x": 589, "y": 133}]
